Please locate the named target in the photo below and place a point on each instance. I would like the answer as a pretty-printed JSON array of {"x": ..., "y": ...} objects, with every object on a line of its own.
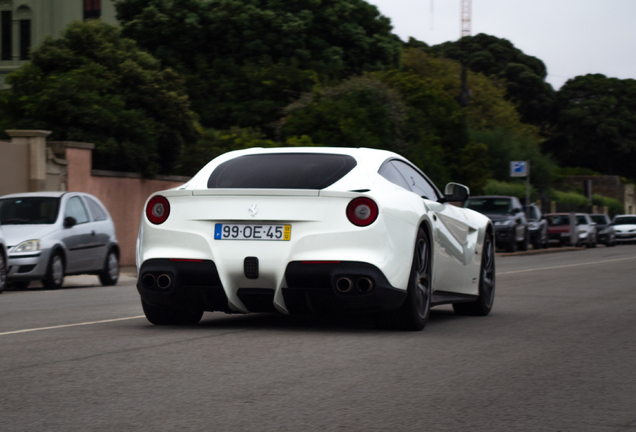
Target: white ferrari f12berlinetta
[{"x": 313, "y": 230}]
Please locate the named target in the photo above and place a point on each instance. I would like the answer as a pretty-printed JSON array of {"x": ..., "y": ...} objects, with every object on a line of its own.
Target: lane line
[
  {"x": 565, "y": 266},
  {"x": 70, "y": 325}
]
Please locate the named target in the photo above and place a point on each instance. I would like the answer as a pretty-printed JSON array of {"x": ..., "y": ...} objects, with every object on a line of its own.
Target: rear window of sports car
[{"x": 281, "y": 171}]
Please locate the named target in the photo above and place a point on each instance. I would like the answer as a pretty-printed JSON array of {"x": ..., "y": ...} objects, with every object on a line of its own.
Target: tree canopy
[
  {"x": 595, "y": 125},
  {"x": 244, "y": 60},
  {"x": 92, "y": 85},
  {"x": 523, "y": 75}
]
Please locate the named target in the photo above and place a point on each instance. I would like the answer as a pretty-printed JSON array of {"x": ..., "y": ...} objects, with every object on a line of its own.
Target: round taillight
[
  {"x": 362, "y": 211},
  {"x": 157, "y": 210}
]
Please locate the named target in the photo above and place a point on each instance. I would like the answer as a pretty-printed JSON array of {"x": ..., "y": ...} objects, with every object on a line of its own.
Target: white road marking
[
  {"x": 70, "y": 325},
  {"x": 564, "y": 266}
]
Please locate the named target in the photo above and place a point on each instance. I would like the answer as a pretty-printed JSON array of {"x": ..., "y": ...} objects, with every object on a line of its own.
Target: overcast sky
[{"x": 572, "y": 37}]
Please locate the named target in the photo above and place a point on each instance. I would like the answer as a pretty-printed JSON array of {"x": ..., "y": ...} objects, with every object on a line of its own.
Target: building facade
[{"x": 25, "y": 23}]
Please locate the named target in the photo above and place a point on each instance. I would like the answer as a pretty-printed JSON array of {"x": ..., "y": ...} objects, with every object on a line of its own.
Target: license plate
[{"x": 252, "y": 232}]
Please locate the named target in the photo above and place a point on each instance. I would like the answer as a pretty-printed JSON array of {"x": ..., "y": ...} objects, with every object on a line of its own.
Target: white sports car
[{"x": 304, "y": 230}]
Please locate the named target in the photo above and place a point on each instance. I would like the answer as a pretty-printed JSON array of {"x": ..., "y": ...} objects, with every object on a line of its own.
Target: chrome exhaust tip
[
  {"x": 364, "y": 285},
  {"x": 148, "y": 281},
  {"x": 164, "y": 281},
  {"x": 344, "y": 284}
]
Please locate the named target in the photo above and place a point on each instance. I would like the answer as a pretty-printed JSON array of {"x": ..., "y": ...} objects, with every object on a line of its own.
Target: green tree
[
  {"x": 595, "y": 125},
  {"x": 524, "y": 75},
  {"x": 247, "y": 59},
  {"x": 92, "y": 85}
]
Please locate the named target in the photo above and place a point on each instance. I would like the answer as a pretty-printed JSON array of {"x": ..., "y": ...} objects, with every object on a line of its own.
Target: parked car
[
  {"x": 538, "y": 227},
  {"x": 560, "y": 224},
  {"x": 625, "y": 228},
  {"x": 511, "y": 226},
  {"x": 586, "y": 230},
  {"x": 53, "y": 234},
  {"x": 605, "y": 233},
  {"x": 3, "y": 262},
  {"x": 301, "y": 230}
]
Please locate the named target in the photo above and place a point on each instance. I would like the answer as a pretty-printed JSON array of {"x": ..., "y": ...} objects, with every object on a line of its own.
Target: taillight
[
  {"x": 157, "y": 210},
  {"x": 362, "y": 211}
]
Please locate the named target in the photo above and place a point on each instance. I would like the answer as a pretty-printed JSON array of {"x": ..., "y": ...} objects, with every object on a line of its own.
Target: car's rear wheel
[
  {"x": 3, "y": 273},
  {"x": 160, "y": 315},
  {"x": 414, "y": 312},
  {"x": 110, "y": 274},
  {"x": 55, "y": 273},
  {"x": 483, "y": 305}
]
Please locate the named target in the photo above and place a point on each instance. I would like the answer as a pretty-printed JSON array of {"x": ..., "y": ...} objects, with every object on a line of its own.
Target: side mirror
[
  {"x": 69, "y": 222},
  {"x": 456, "y": 192}
]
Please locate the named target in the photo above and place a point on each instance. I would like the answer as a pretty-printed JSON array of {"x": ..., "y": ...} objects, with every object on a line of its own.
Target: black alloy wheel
[
  {"x": 415, "y": 311},
  {"x": 483, "y": 305},
  {"x": 160, "y": 315}
]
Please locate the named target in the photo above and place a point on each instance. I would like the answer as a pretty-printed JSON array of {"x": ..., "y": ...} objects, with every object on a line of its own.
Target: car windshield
[
  {"x": 599, "y": 219},
  {"x": 533, "y": 213},
  {"x": 625, "y": 220},
  {"x": 580, "y": 220},
  {"x": 282, "y": 171},
  {"x": 490, "y": 205},
  {"x": 29, "y": 211},
  {"x": 558, "y": 220}
]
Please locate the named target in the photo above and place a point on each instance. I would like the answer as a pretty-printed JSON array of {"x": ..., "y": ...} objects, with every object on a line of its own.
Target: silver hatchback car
[{"x": 53, "y": 234}]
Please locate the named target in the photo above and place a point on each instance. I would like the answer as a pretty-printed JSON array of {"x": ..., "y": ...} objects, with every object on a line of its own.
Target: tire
[
  {"x": 55, "y": 272},
  {"x": 414, "y": 312},
  {"x": 523, "y": 244},
  {"x": 159, "y": 315},
  {"x": 483, "y": 305},
  {"x": 3, "y": 273},
  {"x": 110, "y": 274},
  {"x": 512, "y": 246}
]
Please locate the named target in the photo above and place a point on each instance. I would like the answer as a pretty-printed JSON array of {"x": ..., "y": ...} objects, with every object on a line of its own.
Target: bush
[
  {"x": 580, "y": 202},
  {"x": 614, "y": 206},
  {"x": 516, "y": 189}
]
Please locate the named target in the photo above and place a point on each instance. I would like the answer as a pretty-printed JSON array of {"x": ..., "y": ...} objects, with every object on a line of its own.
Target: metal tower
[{"x": 465, "y": 12}]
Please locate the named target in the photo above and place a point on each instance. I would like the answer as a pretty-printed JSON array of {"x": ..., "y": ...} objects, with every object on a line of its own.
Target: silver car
[{"x": 53, "y": 234}]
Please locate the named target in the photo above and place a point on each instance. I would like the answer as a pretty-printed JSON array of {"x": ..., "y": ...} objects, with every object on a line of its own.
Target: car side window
[
  {"x": 580, "y": 220},
  {"x": 96, "y": 210},
  {"x": 75, "y": 208},
  {"x": 390, "y": 172},
  {"x": 416, "y": 182}
]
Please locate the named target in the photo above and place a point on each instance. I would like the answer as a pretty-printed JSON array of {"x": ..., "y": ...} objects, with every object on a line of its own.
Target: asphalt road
[{"x": 557, "y": 353}]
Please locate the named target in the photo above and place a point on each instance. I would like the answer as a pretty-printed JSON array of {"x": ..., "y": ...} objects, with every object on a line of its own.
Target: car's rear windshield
[
  {"x": 625, "y": 220},
  {"x": 281, "y": 171},
  {"x": 558, "y": 220},
  {"x": 29, "y": 211},
  {"x": 489, "y": 205},
  {"x": 599, "y": 219}
]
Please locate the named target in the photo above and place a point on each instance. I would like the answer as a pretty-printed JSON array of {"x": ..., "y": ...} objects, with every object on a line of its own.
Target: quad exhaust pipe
[
  {"x": 344, "y": 284},
  {"x": 363, "y": 285},
  {"x": 148, "y": 280},
  {"x": 163, "y": 281}
]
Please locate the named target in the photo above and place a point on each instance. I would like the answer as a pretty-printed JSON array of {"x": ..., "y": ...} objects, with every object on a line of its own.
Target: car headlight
[
  {"x": 533, "y": 225},
  {"x": 503, "y": 223},
  {"x": 28, "y": 246}
]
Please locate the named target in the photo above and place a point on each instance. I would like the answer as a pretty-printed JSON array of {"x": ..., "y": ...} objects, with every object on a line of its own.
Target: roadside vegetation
[{"x": 180, "y": 82}]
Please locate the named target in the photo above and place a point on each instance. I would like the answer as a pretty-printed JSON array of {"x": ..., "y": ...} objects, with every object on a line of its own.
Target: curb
[{"x": 541, "y": 251}]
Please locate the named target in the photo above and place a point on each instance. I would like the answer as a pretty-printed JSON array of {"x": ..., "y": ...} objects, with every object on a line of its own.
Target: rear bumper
[{"x": 311, "y": 288}]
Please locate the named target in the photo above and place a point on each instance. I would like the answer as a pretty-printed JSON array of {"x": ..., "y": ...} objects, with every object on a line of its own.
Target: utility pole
[{"x": 466, "y": 11}]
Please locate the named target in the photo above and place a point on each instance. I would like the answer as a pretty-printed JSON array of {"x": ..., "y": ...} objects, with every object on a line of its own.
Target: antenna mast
[{"x": 466, "y": 18}]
